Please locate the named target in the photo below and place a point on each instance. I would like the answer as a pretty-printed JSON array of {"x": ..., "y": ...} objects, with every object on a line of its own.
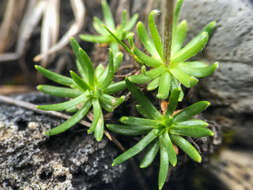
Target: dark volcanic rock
[{"x": 30, "y": 160}]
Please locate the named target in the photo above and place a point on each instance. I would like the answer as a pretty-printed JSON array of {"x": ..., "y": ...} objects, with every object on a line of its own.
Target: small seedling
[
  {"x": 92, "y": 89},
  {"x": 121, "y": 31},
  {"x": 161, "y": 131}
]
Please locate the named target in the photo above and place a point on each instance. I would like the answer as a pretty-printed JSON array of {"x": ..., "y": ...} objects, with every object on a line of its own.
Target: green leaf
[
  {"x": 87, "y": 65},
  {"x": 79, "y": 82},
  {"x": 191, "y": 131},
  {"x": 95, "y": 38},
  {"x": 173, "y": 101},
  {"x": 164, "y": 86},
  {"x": 107, "y": 99},
  {"x": 143, "y": 101},
  {"x": 138, "y": 121},
  {"x": 147, "y": 76},
  {"x": 119, "y": 101},
  {"x": 154, "y": 32},
  {"x": 187, "y": 80},
  {"x": 198, "y": 71},
  {"x": 117, "y": 59},
  {"x": 99, "y": 130},
  {"x": 178, "y": 40},
  {"x": 72, "y": 109},
  {"x": 59, "y": 91},
  {"x": 81, "y": 71},
  {"x": 129, "y": 130},
  {"x": 142, "y": 111},
  {"x": 146, "y": 41},
  {"x": 107, "y": 15},
  {"x": 164, "y": 163},
  {"x": 130, "y": 24},
  {"x": 98, "y": 25},
  {"x": 96, "y": 113},
  {"x": 166, "y": 142},
  {"x": 186, "y": 147},
  {"x": 107, "y": 107},
  {"x": 123, "y": 20},
  {"x": 136, "y": 148},
  {"x": 190, "y": 111},
  {"x": 70, "y": 122},
  {"x": 192, "y": 123},
  {"x": 65, "y": 105},
  {"x": 114, "y": 46},
  {"x": 150, "y": 154},
  {"x": 176, "y": 85},
  {"x": 99, "y": 70},
  {"x": 191, "y": 49},
  {"x": 109, "y": 74},
  {"x": 75, "y": 46},
  {"x": 115, "y": 87},
  {"x": 153, "y": 84},
  {"x": 54, "y": 76},
  {"x": 209, "y": 28},
  {"x": 175, "y": 16},
  {"x": 147, "y": 60}
]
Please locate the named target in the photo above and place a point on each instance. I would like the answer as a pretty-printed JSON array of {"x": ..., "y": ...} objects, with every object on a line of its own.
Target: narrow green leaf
[
  {"x": 164, "y": 86},
  {"x": 119, "y": 101},
  {"x": 178, "y": 40},
  {"x": 98, "y": 25},
  {"x": 96, "y": 115},
  {"x": 187, "y": 80},
  {"x": 136, "y": 148},
  {"x": 154, "y": 32},
  {"x": 143, "y": 100},
  {"x": 191, "y": 49},
  {"x": 192, "y": 123},
  {"x": 142, "y": 111},
  {"x": 75, "y": 46},
  {"x": 188, "y": 112},
  {"x": 95, "y": 38},
  {"x": 186, "y": 147},
  {"x": 114, "y": 46},
  {"x": 70, "y": 122},
  {"x": 107, "y": 107},
  {"x": 209, "y": 28},
  {"x": 107, "y": 15},
  {"x": 138, "y": 121},
  {"x": 72, "y": 109},
  {"x": 109, "y": 75},
  {"x": 99, "y": 70},
  {"x": 147, "y": 76},
  {"x": 107, "y": 99},
  {"x": 54, "y": 76},
  {"x": 79, "y": 82},
  {"x": 115, "y": 87},
  {"x": 147, "y": 60},
  {"x": 123, "y": 20},
  {"x": 117, "y": 59},
  {"x": 164, "y": 163},
  {"x": 87, "y": 65},
  {"x": 175, "y": 84},
  {"x": 59, "y": 91},
  {"x": 130, "y": 24},
  {"x": 198, "y": 71},
  {"x": 166, "y": 142},
  {"x": 176, "y": 14},
  {"x": 153, "y": 84},
  {"x": 191, "y": 131},
  {"x": 65, "y": 105},
  {"x": 99, "y": 130},
  {"x": 146, "y": 41},
  {"x": 129, "y": 130},
  {"x": 150, "y": 154},
  {"x": 82, "y": 72},
  {"x": 173, "y": 101}
]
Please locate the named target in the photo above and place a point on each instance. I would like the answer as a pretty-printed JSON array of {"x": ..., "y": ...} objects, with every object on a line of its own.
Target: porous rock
[{"x": 30, "y": 160}]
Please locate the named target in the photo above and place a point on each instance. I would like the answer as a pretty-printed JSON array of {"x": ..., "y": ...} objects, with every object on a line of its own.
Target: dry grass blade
[
  {"x": 79, "y": 13},
  {"x": 50, "y": 28}
]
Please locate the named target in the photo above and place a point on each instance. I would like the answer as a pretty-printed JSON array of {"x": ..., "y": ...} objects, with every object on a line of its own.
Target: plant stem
[{"x": 167, "y": 29}]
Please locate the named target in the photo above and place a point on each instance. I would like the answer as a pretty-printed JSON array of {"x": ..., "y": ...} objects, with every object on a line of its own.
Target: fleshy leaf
[
  {"x": 59, "y": 91},
  {"x": 150, "y": 154},
  {"x": 129, "y": 130}
]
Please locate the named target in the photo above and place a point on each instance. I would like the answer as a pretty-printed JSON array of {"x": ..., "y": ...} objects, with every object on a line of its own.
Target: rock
[
  {"x": 230, "y": 88},
  {"x": 30, "y": 160}
]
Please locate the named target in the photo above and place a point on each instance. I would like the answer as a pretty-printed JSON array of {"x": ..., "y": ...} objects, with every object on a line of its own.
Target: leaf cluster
[
  {"x": 121, "y": 31},
  {"x": 92, "y": 89}
]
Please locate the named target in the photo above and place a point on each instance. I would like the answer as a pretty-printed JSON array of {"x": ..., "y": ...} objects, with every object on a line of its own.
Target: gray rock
[
  {"x": 30, "y": 160},
  {"x": 230, "y": 89}
]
